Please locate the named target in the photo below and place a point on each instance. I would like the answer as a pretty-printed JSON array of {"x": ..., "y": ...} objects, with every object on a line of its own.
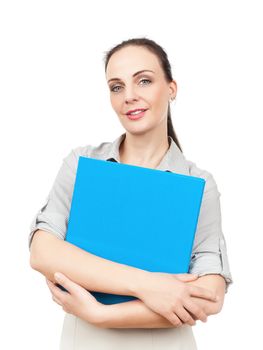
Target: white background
[{"x": 54, "y": 98}]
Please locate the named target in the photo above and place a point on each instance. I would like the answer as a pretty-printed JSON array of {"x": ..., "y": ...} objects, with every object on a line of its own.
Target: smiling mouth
[
  {"x": 137, "y": 115},
  {"x": 137, "y": 111}
]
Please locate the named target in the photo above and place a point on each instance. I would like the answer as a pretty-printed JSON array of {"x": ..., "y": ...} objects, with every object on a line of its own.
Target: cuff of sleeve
[
  {"x": 44, "y": 227},
  {"x": 210, "y": 263},
  {"x": 53, "y": 222}
]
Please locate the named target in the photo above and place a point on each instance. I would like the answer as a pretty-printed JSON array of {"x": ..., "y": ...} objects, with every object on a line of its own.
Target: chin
[{"x": 138, "y": 130}]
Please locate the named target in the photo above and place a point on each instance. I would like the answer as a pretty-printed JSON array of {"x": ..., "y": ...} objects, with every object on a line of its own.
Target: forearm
[
  {"x": 135, "y": 314},
  {"x": 132, "y": 314},
  {"x": 50, "y": 254}
]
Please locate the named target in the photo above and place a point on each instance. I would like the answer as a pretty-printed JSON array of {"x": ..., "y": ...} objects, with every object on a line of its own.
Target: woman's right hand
[{"x": 169, "y": 295}]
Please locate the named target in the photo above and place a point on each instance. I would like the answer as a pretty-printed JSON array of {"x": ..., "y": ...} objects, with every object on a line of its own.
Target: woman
[{"x": 141, "y": 87}]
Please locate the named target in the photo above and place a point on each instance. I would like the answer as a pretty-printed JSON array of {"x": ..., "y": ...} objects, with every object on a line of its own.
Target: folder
[{"x": 141, "y": 217}]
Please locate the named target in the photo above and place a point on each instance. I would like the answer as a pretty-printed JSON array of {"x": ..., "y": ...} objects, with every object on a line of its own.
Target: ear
[{"x": 172, "y": 89}]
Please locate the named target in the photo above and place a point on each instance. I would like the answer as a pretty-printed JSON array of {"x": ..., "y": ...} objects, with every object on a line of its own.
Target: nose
[
  {"x": 130, "y": 96},
  {"x": 130, "y": 99}
]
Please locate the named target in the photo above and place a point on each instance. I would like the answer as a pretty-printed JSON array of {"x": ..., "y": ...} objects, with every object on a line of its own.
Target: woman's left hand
[{"x": 77, "y": 301}]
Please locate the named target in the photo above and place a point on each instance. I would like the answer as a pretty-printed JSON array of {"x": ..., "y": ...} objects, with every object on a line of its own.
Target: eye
[
  {"x": 145, "y": 80},
  {"x": 113, "y": 88}
]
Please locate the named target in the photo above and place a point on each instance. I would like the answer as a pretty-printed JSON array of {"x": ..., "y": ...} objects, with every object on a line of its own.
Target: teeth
[{"x": 137, "y": 112}]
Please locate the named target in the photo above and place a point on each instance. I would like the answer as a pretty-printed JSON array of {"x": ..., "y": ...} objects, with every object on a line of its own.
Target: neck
[{"x": 146, "y": 150}]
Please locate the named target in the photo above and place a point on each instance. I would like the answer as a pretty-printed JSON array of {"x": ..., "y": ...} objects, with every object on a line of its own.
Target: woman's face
[{"x": 130, "y": 90}]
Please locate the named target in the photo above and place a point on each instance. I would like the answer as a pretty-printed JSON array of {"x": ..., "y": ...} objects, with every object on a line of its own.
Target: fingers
[
  {"x": 195, "y": 310},
  {"x": 192, "y": 315},
  {"x": 56, "y": 293},
  {"x": 172, "y": 317},
  {"x": 57, "y": 301},
  {"x": 181, "y": 317},
  {"x": 66, "y": 284},
  {"x": 49, "y": 283},
  {"x": 50, "y": 286},
  {"x": 202, "y": 293},
  {"x": 184, "y": 316}
]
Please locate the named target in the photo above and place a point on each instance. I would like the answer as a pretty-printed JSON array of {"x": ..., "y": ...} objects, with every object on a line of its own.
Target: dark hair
[{"x": 164, "y": 62}]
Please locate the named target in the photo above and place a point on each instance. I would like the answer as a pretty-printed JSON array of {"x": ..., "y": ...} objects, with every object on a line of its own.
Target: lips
[
  {"x": 137, "y": 115},
  {"x": 136, "y": 110}
]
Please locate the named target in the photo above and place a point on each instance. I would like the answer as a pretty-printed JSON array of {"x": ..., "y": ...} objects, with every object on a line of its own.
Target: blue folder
[{"x": 137, "y": 216}]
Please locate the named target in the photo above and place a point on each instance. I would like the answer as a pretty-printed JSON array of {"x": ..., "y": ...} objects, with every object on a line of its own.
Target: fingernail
[{"x": 57, "y": 276}]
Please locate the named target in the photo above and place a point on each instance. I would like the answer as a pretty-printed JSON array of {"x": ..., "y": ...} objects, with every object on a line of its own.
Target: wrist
[
  {"x": 138, "y": 283},
  {"x": 98, "y": 317}
]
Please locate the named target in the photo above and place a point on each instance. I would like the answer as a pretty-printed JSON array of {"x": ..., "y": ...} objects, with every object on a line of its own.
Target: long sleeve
[
  {"x": 54, "y": 213},
  {"x": 209, "y": 254}
]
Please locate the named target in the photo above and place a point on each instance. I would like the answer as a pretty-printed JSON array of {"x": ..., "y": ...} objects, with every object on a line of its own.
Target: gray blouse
[{"x": 209, "y": 254}]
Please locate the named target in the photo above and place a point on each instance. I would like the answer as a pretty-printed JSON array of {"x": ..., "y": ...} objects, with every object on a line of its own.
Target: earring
[{"x": 171, "y": 99}]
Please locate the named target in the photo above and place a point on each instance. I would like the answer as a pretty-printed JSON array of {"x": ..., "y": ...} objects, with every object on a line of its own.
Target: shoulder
[
  {"x": 194, "y": 170},
  {"x": 94, "y": 151}
]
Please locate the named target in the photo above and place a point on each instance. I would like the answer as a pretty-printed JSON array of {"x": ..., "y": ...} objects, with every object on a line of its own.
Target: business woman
[{"x": 141, "y": 88}]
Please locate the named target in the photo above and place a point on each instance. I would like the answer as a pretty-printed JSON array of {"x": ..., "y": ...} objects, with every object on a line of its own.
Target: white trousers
[{"x": 80, "y": 335}]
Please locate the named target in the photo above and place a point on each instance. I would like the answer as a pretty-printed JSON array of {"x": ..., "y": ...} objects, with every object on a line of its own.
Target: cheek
[
  {"x": 159, "y": 99},
  {"x": 116, "y": 103}
]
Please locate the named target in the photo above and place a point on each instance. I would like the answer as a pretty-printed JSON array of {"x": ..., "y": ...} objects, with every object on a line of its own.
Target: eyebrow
[{"x": 134, "y": 75}]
